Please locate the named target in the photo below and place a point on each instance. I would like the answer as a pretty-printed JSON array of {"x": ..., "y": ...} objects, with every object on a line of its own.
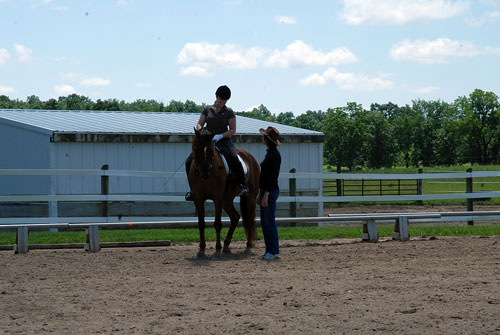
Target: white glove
[{"x": 217, "y": 138}]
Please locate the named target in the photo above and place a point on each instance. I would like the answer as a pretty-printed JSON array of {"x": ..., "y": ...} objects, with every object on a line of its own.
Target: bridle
[{"x": 203, "y": 153}]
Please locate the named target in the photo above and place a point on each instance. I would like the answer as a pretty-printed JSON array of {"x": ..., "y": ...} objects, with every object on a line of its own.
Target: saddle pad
[{"x": 243, "y": 165}]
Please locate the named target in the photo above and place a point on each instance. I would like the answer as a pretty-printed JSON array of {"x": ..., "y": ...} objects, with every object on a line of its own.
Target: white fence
[
  {"x": 298, "y": 198},
  {"x": 92, "y": 223}
]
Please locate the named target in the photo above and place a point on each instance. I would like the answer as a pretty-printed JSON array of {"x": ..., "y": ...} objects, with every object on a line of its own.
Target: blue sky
[{"x": 287, "y": 55}]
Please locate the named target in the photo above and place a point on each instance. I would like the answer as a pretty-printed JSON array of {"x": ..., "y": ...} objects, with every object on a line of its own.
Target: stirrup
[
  {"x": 242, "y": 190},
  {"x": 189, "y": 197}
]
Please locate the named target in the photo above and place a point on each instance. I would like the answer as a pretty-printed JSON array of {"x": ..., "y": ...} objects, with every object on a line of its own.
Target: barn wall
[
  {"x": 22, "y": 148},
  {"x": 164, "y": 157},
  {"x": 304, "y": 157}
]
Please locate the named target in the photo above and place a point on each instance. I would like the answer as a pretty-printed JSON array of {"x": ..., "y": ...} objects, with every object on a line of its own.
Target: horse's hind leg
[{"x": 235, "y": 217}]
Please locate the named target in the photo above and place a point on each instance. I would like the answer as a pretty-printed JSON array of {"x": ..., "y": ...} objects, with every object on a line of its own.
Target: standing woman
[{"x": 269, "y": 191}]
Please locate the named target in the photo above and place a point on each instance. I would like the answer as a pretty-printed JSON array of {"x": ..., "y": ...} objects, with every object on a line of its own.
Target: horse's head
[{"x": 203, "y": 152}]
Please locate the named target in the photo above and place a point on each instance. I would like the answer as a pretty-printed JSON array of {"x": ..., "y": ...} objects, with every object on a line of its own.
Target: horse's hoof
[
  {"x": 217, "y": 256},
  {"x": 248, "y": 251},
  {"x": 226, "y": 250},
  {"x": 200, "y": 255}
]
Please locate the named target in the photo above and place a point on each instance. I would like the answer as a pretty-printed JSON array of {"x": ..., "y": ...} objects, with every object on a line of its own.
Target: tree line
[{"x": 425, "y": 133}]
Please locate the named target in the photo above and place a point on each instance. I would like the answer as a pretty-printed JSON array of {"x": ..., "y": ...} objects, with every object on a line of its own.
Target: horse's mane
[{"x": 203, "y": 150}]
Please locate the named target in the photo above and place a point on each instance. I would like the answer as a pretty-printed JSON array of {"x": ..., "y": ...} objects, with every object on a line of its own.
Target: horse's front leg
[
  {"x": 200, "y": 209},
  {"x": 218, "y": 224}
]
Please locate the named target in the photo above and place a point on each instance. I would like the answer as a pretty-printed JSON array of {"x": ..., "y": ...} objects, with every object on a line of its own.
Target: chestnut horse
[{"x": 208, "y": 180}]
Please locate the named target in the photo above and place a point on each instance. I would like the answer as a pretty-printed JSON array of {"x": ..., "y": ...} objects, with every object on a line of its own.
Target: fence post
[
  {"x": 369, "y": 231},
  {"x": 92, "y": 244},
  {"x": 339, "y": 185},
  {"x": 339, "y": 182},
  {"x": 53, "y": 206},
  {"x": 21, "y": 246},
  {"x": 401, "y": 231},
  {"x": 292, "y": 187},
  {"x": 420, "y": 187},
  {"x": 469, "y": 189},
  {"x": 105, "y": 190}
]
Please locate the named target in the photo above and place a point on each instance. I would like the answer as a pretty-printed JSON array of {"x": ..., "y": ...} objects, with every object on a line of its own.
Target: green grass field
[
  {"x": 285, "y": 233},
  {"x": 430, "y": 186}
]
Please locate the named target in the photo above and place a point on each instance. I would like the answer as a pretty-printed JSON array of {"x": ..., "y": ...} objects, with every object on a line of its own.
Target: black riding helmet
[{"x": 223, "y": 92}]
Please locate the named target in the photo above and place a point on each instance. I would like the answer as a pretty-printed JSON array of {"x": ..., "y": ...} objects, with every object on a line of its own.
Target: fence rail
[
  {"x": 467, "y": 176},
  {"x": 293, "y": 198},
  {"x": 369, "y": 222},
  {"x": 92, "y": 224}
]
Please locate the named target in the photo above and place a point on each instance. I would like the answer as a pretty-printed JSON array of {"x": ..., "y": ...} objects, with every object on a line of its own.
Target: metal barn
[{"x": 141, "y": 141}]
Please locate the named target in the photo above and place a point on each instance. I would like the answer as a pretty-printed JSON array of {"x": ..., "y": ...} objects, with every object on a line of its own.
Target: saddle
[{"x": 226, "y": 166}]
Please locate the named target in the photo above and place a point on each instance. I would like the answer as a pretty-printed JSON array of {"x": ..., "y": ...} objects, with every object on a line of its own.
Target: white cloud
[
  {"x": 389, "y": 12},
  {"x": 64, "y": 90},
  {"x": 233, "y": 3},
  {"x": 426, "y": 90},
  {"x": 438, "y": 51},
  {"x": 23, "y": 53},
  {"x": 299, "y": 54},
  {"x": 60, "y": 8},
  {"x": 95, "y": 81},
  {"x": 201, "y": 57},
  {"x": 349, "y": 81},
  {"x": 70, "y": 76},
  {"x": 64, "y": 59},
  {"x": 122, "y": 3},
  {"x": 485, "y": 18},
  {"x": 4, "y": 56},
  {"x": 142, "y": 85},
  {"x": 285, "y": 20},
  {"x": 196, "y": 71},
  {"x": 207, "y": 55},
  {"x": 492, "y": 51},
  {"x": 249, "y": 109},
  {"x": 6, "y": 90}
]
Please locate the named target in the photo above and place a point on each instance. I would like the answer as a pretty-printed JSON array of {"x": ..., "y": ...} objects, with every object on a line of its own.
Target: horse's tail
[
  {"x": 248, "y": 203},
  {"x": 244, "y": 209}
]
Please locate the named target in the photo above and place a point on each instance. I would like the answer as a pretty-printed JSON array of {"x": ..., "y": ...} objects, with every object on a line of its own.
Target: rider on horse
[{"x": 221, "y": 120}]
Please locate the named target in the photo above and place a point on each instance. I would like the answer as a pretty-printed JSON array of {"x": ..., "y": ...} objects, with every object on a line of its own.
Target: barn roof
[{"x": 82, "y": 123}]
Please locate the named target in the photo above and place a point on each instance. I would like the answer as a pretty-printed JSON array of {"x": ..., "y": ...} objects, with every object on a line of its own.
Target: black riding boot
[
  {"x": 188, "y": 196},
  {"x": 242, "y": 188}
]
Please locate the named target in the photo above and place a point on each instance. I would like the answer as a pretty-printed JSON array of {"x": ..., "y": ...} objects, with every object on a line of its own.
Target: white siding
[
  {"x": 23, "y": 149},
  {"x": 163, "y": 157},
  {"x": 166, "y": 157}
]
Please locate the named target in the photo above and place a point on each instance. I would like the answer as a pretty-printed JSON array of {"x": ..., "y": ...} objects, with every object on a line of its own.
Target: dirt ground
[{"x": 424, "y": 286}]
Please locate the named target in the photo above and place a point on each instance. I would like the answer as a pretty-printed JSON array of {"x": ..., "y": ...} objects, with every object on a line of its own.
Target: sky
[{"x": 290, "y": 56}]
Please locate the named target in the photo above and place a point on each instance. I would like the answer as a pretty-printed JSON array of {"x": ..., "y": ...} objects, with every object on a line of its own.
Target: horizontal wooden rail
[
  {"x": 367, "y": 220},
  {"x": 93, "y": 245},
  {"x": 297, "y": 175},
  {"x": 165, "y": 198}
]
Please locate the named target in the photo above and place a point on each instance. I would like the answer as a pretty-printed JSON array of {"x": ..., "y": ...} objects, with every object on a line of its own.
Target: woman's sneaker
[{"x": 270, "y": 257}]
